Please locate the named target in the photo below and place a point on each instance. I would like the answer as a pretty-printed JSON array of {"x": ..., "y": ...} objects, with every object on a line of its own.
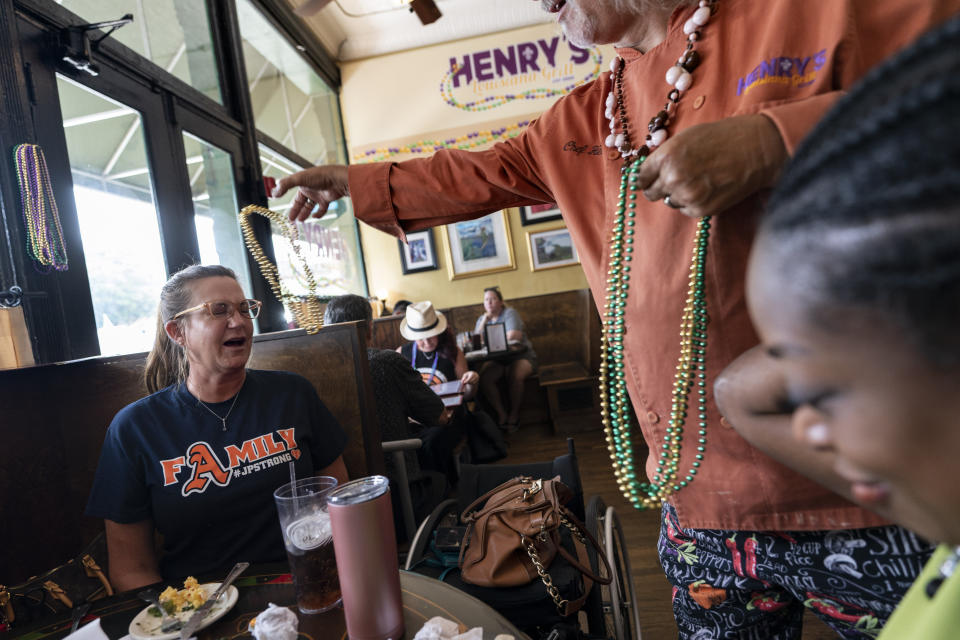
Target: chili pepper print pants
[{"x": 748, "y": 585}]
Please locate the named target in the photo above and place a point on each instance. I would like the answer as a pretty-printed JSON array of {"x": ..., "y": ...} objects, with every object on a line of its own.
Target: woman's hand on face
[
  {"x": 710, "y": 167},
  {"x": 470, "y": 377},
  {"x": 752, "y": 386}
]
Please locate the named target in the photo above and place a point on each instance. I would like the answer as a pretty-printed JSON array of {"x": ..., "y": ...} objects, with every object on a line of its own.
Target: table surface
[
  {"x": 423, "y": 598},
  {"x": 482, "y": 355}
]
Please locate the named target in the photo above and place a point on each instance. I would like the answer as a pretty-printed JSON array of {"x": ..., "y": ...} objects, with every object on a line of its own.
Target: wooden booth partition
[
  {"x": 563, "y": 327},
  {"x": 565, "y": 331},
  {"x": 335, "y": 361},
  {"x": 386, "y": 332},
  {"x": 55, "y": 417}
]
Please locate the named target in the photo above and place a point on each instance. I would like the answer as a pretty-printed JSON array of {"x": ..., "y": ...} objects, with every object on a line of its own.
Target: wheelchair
[{"x": 610, "y": 611}]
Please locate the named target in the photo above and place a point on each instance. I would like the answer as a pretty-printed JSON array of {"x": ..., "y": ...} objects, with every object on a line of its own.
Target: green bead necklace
[{"x": 691, "y": 364}]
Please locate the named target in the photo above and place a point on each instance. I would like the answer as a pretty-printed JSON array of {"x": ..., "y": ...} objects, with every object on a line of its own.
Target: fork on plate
[{"x": 168, "y": 623}]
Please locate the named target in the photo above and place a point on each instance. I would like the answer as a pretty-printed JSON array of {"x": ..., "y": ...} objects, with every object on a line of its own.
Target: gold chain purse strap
[
  {"x": 565, "y": 607},
  {"x": 544, "y": 575},
  {"x": 306, "y": 309}
]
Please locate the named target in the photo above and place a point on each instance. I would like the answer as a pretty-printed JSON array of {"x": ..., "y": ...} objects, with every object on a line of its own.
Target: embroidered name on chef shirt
[{"x": 783, "y": 70}]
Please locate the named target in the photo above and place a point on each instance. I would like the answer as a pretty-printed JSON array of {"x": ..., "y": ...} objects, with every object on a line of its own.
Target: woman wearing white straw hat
[
  {"x": 433, "y": 350},
  {"x": 434, "y": 353}
]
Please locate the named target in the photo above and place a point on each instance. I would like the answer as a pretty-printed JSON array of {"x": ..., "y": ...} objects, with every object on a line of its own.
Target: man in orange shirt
[{"x": 702, "y": 107}]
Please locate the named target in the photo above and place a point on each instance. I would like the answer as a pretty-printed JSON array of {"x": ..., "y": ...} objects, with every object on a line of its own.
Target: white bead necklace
[{"x": 679, "y": 76}]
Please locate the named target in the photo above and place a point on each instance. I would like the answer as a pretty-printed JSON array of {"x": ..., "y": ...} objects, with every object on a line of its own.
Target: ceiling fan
[{"x": 426, "y": 10}]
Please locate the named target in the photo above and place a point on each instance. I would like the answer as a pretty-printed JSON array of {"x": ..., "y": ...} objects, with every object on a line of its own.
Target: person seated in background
[
  {"x": 433, "y": 350},
  {"x": 434, "y": 354},
  {"x": 854, "y": 286},
  {"x": 400, "y": 308},
  {"x": 401, "y": 395},
  {"x": 521, "y": 366},
  {"x": 198, "y": 459}
]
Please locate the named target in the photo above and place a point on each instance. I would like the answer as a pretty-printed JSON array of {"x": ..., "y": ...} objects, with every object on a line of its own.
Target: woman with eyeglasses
[{"x": 197, "y": 461}]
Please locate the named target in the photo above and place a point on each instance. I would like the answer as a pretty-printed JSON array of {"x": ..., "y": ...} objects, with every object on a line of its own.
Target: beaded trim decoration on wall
[
  {"x": 306, "y": 310},
  {"x": 691, "y": 364},
  {"x": 465, "y": 141},
  {"x": 45, "y": 242}
]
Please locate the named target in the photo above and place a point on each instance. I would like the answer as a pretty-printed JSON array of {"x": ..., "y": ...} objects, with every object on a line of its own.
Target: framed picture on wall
[
  {"x": 419, "y": 253},
  {"x": 551, "y": 249},
  {"x": 539, "y": 213},
  {"x": 478, "y": 247}
]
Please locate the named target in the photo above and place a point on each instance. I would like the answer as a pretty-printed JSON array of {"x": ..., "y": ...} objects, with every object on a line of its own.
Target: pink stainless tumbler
[{"x": 366, "y": 549}]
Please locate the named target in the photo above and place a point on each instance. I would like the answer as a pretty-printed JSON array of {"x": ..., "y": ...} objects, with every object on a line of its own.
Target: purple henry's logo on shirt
[
  {"x": 205, "y": 467},
  {"x": 795, "y": 72}
]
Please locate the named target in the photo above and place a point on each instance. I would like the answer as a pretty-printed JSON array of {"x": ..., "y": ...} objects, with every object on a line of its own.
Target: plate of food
[{"x": 181, "y": 604}]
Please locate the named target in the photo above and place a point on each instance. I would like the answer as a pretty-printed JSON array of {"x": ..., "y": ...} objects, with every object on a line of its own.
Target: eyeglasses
[{"x": 246, "y": 308}]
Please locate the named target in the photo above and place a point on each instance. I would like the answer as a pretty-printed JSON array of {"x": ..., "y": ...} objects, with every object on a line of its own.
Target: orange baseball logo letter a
[{"x": 206, "y": 467}]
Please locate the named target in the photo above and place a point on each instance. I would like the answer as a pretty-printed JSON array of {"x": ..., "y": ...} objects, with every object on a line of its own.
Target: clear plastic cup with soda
[{"x": 308, "y": 537}]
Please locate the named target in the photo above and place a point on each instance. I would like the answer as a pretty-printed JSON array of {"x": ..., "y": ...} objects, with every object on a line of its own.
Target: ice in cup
[{"x": 308, "y": 537}]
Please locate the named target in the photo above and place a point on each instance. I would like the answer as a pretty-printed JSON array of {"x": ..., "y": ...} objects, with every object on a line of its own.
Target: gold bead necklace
[
  {"x": 691, "y": 364},
  {"x": 305, "y": 309}
]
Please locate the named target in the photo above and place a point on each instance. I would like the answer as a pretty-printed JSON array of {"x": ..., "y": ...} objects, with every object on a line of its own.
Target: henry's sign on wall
[
  {"x": 526, "y": 70},
  {"x": 462, "y": 94}
]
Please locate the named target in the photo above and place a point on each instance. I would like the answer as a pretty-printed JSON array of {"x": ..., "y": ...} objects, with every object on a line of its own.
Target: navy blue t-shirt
[{"x": 208, "y": 491}]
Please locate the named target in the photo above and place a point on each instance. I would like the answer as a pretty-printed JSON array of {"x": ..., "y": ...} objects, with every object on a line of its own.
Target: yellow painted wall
[
  {"x": 397, "y": 97},
  {"x": 384, "y": 273},
  {"x": 393, "y": 100}
]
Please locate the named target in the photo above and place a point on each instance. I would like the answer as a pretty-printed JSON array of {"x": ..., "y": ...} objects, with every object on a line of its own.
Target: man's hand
[
  {"x": 710, "y": 167},
  {"x": 470, "y": 377},
  {"x": 318, "y": 187}
]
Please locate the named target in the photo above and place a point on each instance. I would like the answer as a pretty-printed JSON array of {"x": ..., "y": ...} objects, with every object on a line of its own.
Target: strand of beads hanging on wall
[{"x": 41, "y": 218}]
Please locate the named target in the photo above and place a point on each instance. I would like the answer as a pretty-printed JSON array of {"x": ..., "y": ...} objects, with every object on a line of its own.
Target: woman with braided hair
[{"x": 854, "y": 286}]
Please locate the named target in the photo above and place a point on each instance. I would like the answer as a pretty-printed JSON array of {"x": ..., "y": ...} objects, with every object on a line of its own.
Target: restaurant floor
[{"x": 534, "y": 443}]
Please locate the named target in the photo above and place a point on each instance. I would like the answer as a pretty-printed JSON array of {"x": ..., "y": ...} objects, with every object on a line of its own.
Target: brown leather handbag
[{"x": 515, "y": 537}]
